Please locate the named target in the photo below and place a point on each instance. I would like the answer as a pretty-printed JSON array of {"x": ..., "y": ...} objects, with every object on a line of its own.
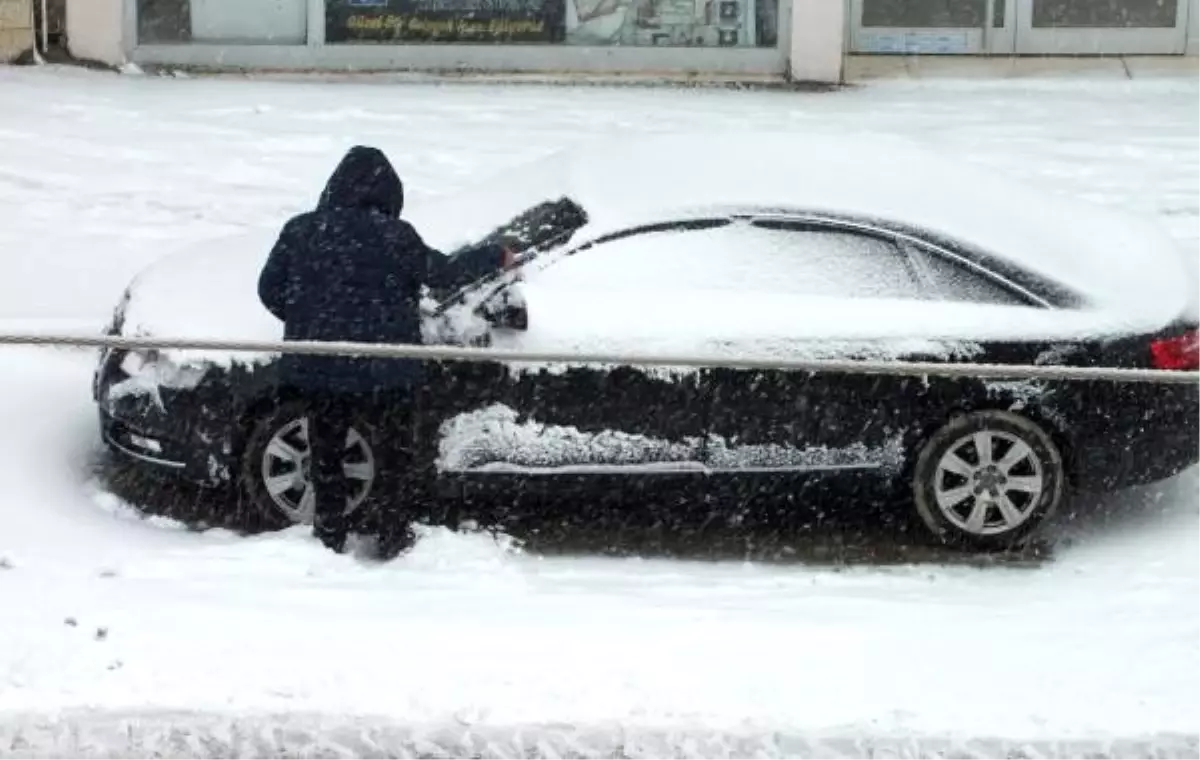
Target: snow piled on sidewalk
[
  {"x": 128, "y": 637},
  {"x": 87, "y": 735},
  {"x": 122, "y": 636}
]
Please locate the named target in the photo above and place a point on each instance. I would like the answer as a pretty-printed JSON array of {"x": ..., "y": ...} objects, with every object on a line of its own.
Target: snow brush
[{"x": 543, "y": 227}]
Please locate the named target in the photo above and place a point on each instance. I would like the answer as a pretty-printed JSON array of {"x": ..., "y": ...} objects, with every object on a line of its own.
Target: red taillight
[{"x": 1180, "y": 352}]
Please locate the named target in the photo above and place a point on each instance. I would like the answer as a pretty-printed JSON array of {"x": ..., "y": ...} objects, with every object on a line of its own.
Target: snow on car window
[
  {"x": 956, "y": 283},
  {"x": 739, "y": 258}
]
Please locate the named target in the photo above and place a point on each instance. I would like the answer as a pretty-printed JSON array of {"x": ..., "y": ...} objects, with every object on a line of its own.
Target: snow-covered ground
[{"x": 126, "y": 636}]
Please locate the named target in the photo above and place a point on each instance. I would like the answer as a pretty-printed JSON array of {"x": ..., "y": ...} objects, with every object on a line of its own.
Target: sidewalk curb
[{"x": 80, "y": 733}]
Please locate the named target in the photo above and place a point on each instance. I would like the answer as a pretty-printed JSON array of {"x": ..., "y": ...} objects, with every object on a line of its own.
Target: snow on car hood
[
  {"x": 1134, "y": 273},
  {"x": 208, "y": 290}
]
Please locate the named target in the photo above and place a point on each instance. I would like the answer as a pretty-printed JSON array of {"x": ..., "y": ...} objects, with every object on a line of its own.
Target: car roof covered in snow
[
  {"x": 1135, "y": 275},
  {"x": 1117, "y": 261}
]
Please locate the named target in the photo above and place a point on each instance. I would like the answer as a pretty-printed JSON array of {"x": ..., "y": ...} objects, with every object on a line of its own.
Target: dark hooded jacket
[{"x": 352, "y": 270}]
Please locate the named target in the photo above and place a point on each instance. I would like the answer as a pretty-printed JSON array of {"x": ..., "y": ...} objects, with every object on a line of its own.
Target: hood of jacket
[{"x": 364, "y": 179}]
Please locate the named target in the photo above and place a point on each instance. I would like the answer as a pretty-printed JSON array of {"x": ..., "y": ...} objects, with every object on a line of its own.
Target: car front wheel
[
  {"x": 276, "y": 475},
  {"x": 986, "y": 480}
]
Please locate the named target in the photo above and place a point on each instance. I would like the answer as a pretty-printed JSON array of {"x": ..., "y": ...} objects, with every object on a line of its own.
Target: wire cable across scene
[{"x": 470, "y": 354}]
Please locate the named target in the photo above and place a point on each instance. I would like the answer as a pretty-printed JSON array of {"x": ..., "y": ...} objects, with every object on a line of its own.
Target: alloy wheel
[
  {"x": 287, "y": 471},
  {"x": 988, "y": 482}
]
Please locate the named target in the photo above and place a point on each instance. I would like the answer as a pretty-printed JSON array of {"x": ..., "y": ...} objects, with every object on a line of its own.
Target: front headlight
[
  {"x": 151, "y": 366},
  {"x": 136, "y": 362}
]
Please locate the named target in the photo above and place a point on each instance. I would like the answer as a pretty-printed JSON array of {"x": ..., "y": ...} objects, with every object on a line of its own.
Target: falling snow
[{"x": 217, "y": 644}]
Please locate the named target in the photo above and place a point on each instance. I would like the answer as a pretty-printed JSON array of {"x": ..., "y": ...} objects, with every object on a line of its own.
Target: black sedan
[{"x": 981, "y": 463}]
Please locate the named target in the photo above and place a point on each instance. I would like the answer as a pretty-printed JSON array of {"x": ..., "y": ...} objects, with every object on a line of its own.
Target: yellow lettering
[
  {"x": 435, "y": 27},
  {"x": 516, "y": 26}
]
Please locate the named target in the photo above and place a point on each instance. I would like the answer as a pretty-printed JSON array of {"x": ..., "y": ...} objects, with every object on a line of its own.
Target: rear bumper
[
  {"x": 1147, "y": 460},
  {"x": 1137, "y": 436}
]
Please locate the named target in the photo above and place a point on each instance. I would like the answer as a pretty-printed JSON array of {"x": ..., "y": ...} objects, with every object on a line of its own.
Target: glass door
[
  {"x": 922, "y": 27},
  {"x": 1101, "y": 27}
]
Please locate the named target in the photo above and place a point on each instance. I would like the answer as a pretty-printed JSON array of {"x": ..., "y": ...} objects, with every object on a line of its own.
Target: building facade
[{"x": 802, "y": 39}]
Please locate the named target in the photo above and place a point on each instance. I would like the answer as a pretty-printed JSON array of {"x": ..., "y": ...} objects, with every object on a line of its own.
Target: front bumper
[
  {"x": 188, "y": 432},
  {"x": 145, "y": 446}
]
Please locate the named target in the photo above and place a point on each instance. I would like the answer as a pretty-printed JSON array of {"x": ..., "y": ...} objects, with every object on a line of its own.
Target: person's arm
[
  {"x": 273, "y": 281},
  {"x": 451, "y": 272},
  {"x": 465, "y": 267}
]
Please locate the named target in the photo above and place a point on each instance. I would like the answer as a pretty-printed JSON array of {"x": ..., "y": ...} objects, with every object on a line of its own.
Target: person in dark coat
[{"x": 352, "y": 270}]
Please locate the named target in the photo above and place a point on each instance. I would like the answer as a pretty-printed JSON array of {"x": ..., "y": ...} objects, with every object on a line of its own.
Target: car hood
[{"x": 207, "y": 290}]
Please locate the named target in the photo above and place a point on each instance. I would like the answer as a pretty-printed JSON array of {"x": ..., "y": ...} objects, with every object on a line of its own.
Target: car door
[
  {"x": 600, "y": 435},
  {"x": 805, "y": 290}
]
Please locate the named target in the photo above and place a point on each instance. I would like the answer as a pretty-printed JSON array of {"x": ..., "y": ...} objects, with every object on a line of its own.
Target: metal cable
[{"x": 457, "y": 353}]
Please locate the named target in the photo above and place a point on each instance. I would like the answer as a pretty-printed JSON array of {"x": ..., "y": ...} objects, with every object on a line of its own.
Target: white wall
[
  {"x": 16, "y": 28},
  {"x": 96, "y": 29},
  {"x": 818, "y": 37}
]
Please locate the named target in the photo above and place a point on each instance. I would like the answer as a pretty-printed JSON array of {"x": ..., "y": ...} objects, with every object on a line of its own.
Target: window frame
[
  {"x": 903, "y": 245},
  {"x": 815, "y": 224},
  {"x": 916, "y": 249},
  {"x": 779, "y": 222},
  {"x": 905, "y": 241}
]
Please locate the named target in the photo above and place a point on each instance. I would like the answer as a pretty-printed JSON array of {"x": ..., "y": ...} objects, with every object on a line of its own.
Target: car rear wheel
[
  {"x": 987, "y": 480},
  {"x": 276, "y": 475}
]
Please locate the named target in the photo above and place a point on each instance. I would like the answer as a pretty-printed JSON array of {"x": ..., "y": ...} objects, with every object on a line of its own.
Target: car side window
[
  {"x": 768, "y": 258},
  {"x": 952, "y": 281},
  {"x": 838, "y": 262}
]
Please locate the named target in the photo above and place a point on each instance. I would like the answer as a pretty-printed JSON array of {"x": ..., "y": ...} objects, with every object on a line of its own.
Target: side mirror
[
  {"x": 509, "y": 318},
  {"x": 506, "y": 310}
]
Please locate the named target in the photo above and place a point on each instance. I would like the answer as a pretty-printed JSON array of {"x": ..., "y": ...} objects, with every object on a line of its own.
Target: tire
[
  {"x": 990, "y": 500},
  {"x": 270, "y": 455}
]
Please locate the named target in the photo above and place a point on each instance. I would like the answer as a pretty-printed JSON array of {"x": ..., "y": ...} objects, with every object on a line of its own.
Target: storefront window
[
  {"x": 164, "y": 21},
  {"x": 255, "y": 22},
  {"x": 391, "y": 21},
  {"x": 924, "y": 14},
  {"x": 1088, "y": 13},
  {"x": 636, "y": 23},
  {"x": 676, "y": 23}
]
